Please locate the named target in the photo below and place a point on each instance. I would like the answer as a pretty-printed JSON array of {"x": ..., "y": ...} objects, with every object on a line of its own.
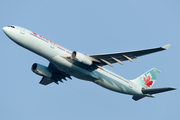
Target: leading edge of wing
[
  {"x": 105, "y": 54},
  {"x": 129, "y": 55}
]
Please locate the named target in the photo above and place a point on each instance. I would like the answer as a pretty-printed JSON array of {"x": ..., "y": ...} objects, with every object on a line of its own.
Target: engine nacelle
[
  {"x": 81, "y": 58},
  {"x": 41, "y": 70}
]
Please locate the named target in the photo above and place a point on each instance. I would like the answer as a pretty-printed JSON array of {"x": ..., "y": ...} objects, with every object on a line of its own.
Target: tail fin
[{"x": 147, "y": 79}]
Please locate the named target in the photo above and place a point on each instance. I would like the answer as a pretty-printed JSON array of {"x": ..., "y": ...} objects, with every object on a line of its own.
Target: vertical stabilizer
[{"x": 147, "y": 79}]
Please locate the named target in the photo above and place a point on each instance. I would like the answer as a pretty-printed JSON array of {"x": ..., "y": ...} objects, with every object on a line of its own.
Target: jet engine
[
  {"x": 41, "y": 70},
  {"x": 81, "y": 58}
]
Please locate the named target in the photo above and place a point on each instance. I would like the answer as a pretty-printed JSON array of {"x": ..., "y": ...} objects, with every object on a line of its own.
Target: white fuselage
[{"x": 55, "y": 54}]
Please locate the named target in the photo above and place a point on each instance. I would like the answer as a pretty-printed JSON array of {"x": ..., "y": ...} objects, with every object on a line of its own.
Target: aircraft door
[
  {"x": 22, "y": 30},
  {"x": 130, "y": 84},
  {"x": 51, "y": 44}
]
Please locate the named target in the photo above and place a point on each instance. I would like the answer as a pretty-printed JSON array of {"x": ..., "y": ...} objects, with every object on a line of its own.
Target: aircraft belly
[
  {"x": 71, "y": 69},
  {"x": 117, "y": 85}
]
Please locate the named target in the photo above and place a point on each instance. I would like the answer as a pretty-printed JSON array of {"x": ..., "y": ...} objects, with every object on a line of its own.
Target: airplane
[{"x": 64, "y": 63}]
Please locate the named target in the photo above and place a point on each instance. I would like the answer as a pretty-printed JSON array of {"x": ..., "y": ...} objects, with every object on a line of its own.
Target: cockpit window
[{"x": 11, "y": 26}]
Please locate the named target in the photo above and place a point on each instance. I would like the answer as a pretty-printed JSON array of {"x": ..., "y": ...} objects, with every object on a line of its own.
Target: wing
[
  {"x": 57, "y": 75},
  {"x": 108, "y": 59}
]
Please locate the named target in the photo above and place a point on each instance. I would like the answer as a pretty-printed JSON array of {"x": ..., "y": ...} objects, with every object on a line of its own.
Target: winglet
[{"x": 166, "y": 46}]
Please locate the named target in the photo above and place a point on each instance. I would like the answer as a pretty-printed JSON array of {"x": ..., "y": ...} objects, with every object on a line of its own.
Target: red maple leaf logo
[{"x": 147, "y": 81}]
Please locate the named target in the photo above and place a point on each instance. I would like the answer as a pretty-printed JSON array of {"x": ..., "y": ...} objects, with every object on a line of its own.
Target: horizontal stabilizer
[
  {"x": 45, "y": 81},
  {"x": 157, "y": 90},
  {"x": 137, "y": 97}
]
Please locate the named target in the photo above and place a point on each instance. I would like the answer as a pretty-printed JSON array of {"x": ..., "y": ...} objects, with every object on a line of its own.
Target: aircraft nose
[
  {"x": 5, "y": 29},
  {"x": 8, "y": 31}
]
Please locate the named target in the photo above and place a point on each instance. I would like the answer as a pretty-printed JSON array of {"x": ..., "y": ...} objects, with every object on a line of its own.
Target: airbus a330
[{"x": 64, "y": 63}]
